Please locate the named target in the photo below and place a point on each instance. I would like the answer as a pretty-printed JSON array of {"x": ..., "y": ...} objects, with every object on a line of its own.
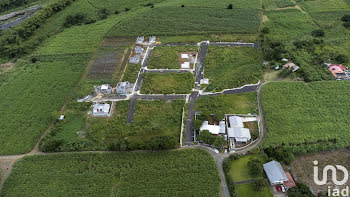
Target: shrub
[
  {"x": 300, "y": 190},
  {"x": 102, "y": 14},
  {"x": 342, "y": 58},
  {"x": 347, "y": 24},
  {"x": 255, "y": 167},
  {"x": 265, "y": 30},
  {"x": 318, "y": 33},
  {"x": 50, "y": 145},
  {"x": 116, "y": 12},
  {"x": 346, "y": 18},
  {"x": 230, "y": 7},
  {"x": 126, "y": 9},
  {"x": 182, "y": 5},
  {"x": 77, "y": 19}
]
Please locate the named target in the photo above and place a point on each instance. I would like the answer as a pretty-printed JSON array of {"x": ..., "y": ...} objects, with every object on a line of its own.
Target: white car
[
  {"x": 216, "y": 150},
  {"x": 283, "y": 188}
]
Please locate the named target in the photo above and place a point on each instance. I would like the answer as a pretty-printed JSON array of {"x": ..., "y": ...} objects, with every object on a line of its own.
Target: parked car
[
  {"x": 216, "y": 150},
  {"x": 283, "y": 188},
  {"x": 278, "y": 188}
]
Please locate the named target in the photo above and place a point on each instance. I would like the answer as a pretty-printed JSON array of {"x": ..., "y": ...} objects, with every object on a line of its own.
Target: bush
[
  {"x": 116, "y": 12},
  {"x": 230, "y": 7},
  {"x": 77, "y": 19},
  {"x": 126, "y": 9},
  {"x": 300, "y": 190},
  {"x": 182, "y": 5},
  {"x": 260, "y": 183},
  {"x": 102, "y": 14},
  {"x": 149, "y": 5},
  {"x": 347, "y": 25},
  {"x": 346, "y": 18},
  {"x": 265, "y": 30},
  {"x": 342, "y": 58},
  {"x": 318, "y": 33},
  {"x": 208, "y": 138},
  {"x": 161, "y": 143},
  {"x": 50, "y": 145}
]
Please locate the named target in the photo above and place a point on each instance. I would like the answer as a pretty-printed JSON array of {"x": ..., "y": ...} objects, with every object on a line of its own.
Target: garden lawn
[
  {"x": 239, "y": 170},
  {"x": 306, "y": 117},
  {"x": 248, "y": 190},
  {"x": 220, "y": 105},
  {"x": 163, "y": 57},
  {"x": 190, "y": 20},
  {"x": 151, "y": 119},
  {"x": 166, "y": 173},
  {"x": 231, "y": 67},
  {"x": 167, "y": 83}
]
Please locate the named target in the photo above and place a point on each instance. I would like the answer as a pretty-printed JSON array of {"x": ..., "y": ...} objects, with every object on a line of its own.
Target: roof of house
[
  {"x": 339, "y": 66},
  {"x": 185, "y": 65},
  {"x": 240, "y": 134},
  {"x": 184, "y": 56},
  {"x": 290, "y": 183},
  {"x": 213, "y": 129},
  {"x": 105, "y": 87},
  {"x": 275, "y": 172},
  {"x": 101, "y": 107},
  {"x": 235, "y": 121},
  {"x": 289, "y": 65},
  {"x": 335, "y": 70}
]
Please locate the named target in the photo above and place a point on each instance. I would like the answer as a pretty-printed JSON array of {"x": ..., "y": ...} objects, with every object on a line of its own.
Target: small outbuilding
[
  {"x": 275, "y": 173},
  {"x": 240, "y": 135},
  {"x": 236, "y": 121},
  {"x": 152, "y": 39},
  {"x": 106, "y": 89},
  {"x": 140, "y": 40},
  {"x": 291, "y": 65},
  {"x": 184, "y": 56},
  {"x": 205, "y": 81},
  {"x": 290, "y": 183},
  {"x": 213, "y": 129},
  {"x": 185, "y": 65}
]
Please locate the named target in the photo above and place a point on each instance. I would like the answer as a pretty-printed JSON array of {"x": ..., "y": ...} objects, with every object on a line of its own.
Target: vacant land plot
[
  {"x": 306, "y": 117},
  {"x": 167, "y": 83},
  {"x": 100, "y": 133},
  {"x": 168, "y": 173},
  {"x": 110, "y": 58},
  {"x": 163, "y": 57},
  {"x": 220, "y": 105},
  {"x": 239, "y": 170},
  {"x": 211, "y": 38},
  {"x": 190, "y": 20},
  {"x": 231, "y": 67},
  {"x": 248, "y": 190},
  {"x": 289, "y": 24},
  {"x": 303, "y": 165}
]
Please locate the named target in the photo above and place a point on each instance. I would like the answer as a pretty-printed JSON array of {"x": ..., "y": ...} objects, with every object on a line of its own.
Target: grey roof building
[
  {"x": 275, "y": 173},
  {"x": 152, "y": 39},
  {"x": 140, "y": 40},
  {"x": 138, "y": 49},
  {"x": 135, "y": 59},
  {"x": 124, "y": 88}
]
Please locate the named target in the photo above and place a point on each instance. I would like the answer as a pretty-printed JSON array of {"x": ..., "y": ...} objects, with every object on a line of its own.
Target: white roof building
[
  {"x": 235, "y": 121},
  {"x": 101, "y": 109},
  {"x": 185, "y": 65},
  {"x": 140, "y": 40},
  {"x": 124, "y": 88},
  {"x": 213, "y": 129},
  {"x": 138, "y": 49},
  {"x": 239, "y": 134},
  {"x": 152, "y": 39},
  {"x": 135, "y": 59},
  {"x": 184, "y": 56},
  {"x": 275, "y": 173},
  {"x": 205, "y": 81}
]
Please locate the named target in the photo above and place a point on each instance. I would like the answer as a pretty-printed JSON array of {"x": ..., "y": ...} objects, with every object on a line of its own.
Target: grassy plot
[
  {"x": 190, "y": 20},
  {"x": 211, "y": 38},
  {"x": 30, "y": 94},
  {"x": 131, "y": 72},
  {"x": 239, "y": 170},
  {"x": 101, "y": 133},
  {"x": 289, "y": 24},
  {"x": 305, "y": 117},
  {"x": 167, "y": 173},
  {"x": 167, "y": 83},
  {"x": 325, "y": 6},
  {"x": 277, "y": 4},
  {"x": 220, "y": 105},
  {"x": 248, "y": 190},
  {"x": 231, "y": 67},
  {"x": 163, "y": 57},
  {"x": 249, "y": 4}
]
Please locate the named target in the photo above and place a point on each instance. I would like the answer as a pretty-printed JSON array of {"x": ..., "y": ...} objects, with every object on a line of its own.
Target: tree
[
  {"x": 255, "y": 167},
  {"x": 300, "y": 190},
  {"x": 182, "y": 5},
  {"x": 230, "y": 7},
  {"x": 347, "y": 24},
  {"x": 318, "y": 33},
  {"x": 126, "y": 9},
  {"x": 260, "y": 183},
  {"x": 342, "y": 58},
  {"x": 265, "y": 30},
  {"x": 102, "y": 14}
]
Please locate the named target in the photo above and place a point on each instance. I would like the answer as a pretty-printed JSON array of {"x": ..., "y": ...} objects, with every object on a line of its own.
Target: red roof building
[
  {"x": 337, "y": 70},
  {"x": 339, "y": 66},
  {"x": 290, "y": 183}
]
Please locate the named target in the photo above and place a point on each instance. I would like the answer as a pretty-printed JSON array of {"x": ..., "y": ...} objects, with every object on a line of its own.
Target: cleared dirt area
[
  {"x": 109, "y": 60},
  {"x": 6, "y": 67},
  {"x": 303, "y": 168}
]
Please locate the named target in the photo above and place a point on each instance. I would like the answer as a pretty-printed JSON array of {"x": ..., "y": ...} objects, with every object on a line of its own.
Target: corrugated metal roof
[{"x": 275, "y": 172}]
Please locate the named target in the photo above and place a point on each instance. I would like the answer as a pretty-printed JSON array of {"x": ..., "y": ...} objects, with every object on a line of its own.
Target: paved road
[
  {"x": 138, "y": 83},
  {"x": 200, "y": 64},
  {"x": 160, "y": 97},
  {"x": 131, "y": 110},
  {"x": 167, "y": 71},
  {"x": 189, "y": 119},
  {"x": 147, "y": 55},
  {"x": 178, "y": 44}
]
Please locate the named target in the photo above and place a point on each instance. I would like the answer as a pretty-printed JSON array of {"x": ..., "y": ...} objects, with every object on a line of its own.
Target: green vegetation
[
  {"x": 236, "y": 4},
  {"x": 220, "y": 105},
  {"x": 167, "y": 83},
  {"x": 210, "y": 37},
  {"x": 131, "y": 72},
  {"x": 163, "y": 57},
  {"x": 180, "y": 21},
  {"x": 231, "y": 67},
  {"x": 275, "y": 4},
  {"x": 325, "y": 6},
  {"x": 239, "y": 170},
  {"x": 6, "y": 5},
  {"x": 208, "y": 138},
  {"x": 300, "y": 190},
  {"x": 248, "y": 190},
  {"x": 165, "y": 173},
  {"x": 302, "y": 117},
  {"x": 114, "y": 133}
]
